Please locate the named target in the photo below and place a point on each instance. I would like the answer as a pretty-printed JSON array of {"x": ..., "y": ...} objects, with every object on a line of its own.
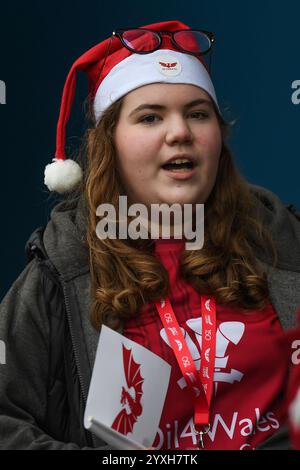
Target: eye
[
  {"x": 200, "y": 114},
  {"x": 145, "y": 119}
]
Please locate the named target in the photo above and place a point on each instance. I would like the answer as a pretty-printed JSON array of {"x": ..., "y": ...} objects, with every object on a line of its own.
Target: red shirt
[{"x": 250, "y": 371}]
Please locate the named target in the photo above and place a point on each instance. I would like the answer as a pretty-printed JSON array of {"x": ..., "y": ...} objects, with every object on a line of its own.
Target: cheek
[
  {"x": 210, "y": 140},
  {"x": 133, "y": 160},
  {"x": 133, "y": 148}
]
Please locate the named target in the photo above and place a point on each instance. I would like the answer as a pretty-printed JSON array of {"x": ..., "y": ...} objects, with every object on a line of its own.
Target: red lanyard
[{"x": 199, "y": 382}]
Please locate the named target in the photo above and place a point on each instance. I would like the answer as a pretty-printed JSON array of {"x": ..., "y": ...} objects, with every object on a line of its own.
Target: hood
[
  {"x": 283, "y": 223},
  {"x": 64, "y": 238},
  {"x": 65, "y": 234}
]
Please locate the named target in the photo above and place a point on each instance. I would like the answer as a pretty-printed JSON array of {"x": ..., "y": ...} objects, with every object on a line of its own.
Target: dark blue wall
[{"x": 255, "y": 62}]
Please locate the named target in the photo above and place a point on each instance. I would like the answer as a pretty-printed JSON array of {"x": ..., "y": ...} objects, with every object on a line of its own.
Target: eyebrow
[{"x": 160, "y": 107}]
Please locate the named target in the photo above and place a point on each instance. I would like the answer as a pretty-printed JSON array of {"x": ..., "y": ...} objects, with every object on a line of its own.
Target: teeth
[{"x": 180, "y": 160}]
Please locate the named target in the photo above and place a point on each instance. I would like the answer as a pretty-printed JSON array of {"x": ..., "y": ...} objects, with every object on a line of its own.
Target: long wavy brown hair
[{"x": 125, "y": 274}]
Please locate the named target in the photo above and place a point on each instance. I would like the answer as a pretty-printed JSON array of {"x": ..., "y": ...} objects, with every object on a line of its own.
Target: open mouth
[{"x": 178, "y": 166}]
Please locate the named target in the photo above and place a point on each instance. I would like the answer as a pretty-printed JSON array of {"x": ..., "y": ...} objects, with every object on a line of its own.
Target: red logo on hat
[{"x": 168, "y": 65}]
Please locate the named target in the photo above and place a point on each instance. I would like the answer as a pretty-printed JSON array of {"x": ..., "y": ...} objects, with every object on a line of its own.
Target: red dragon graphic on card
[{"x": 130, "y": 395}]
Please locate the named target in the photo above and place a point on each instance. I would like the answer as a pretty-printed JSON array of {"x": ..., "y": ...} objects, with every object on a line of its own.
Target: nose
[{"x": 178, "y": 131}]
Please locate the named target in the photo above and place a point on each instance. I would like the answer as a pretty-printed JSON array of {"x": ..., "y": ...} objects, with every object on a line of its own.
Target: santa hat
[{"x": 113, "y": 75}]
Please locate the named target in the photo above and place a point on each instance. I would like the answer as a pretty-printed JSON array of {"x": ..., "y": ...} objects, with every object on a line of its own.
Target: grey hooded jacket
[{"x": 51, "y": 345}]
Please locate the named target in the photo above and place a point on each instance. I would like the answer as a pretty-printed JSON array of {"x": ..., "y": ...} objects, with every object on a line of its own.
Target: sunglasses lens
[
  {"x": 193, "y": 41},
  {"x": 140, "y": 40}
]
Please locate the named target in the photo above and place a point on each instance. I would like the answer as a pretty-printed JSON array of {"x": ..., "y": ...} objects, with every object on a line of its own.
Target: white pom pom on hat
[
  {"x": 62, "y": 175},
  {"x": 105, "y": 63}
]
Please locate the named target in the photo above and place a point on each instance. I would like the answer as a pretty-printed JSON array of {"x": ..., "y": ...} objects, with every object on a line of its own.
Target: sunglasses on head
[{"x": 144, "y": 41}]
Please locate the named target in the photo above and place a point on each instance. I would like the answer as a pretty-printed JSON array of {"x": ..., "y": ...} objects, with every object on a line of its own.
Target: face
[{"x": 169, "y": 125}]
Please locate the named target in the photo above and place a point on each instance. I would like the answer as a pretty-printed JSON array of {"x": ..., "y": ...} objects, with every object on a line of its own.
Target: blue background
[{"x": 256, "y": 59}]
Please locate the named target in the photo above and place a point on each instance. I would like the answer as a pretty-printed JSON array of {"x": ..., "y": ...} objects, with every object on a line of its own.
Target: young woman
[{"x": 157, "y": 137}]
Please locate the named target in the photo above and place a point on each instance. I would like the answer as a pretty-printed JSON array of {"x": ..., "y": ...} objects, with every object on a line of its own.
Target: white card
[{"x": 127, "y": 392}]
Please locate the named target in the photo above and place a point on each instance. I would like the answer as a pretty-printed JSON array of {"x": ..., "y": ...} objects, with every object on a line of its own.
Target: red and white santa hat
[{"x": 123, "y": 72}]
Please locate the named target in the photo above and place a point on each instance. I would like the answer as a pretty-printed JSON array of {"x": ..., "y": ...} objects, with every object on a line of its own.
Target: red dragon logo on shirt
[
  {"x": 130, "y": 396},
  {"x": 168, "y": 65}
]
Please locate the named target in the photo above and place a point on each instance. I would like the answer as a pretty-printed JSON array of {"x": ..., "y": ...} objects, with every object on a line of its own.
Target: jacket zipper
[{"x": 81, "y": 380}]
